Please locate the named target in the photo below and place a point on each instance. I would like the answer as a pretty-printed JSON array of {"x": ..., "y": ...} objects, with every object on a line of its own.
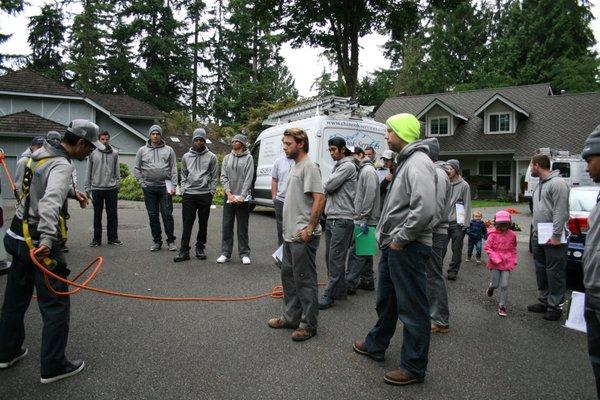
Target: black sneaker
[
  {"x": 451, "y": 276},
  {"x": 116, "y": 242},
  {"x": 200, "y": 254},
  {"x": 11, "y": 362},
  {"x": 552, "y": 315},
  {"x": 74, "y": 368},
  {"x": 93, "y": 243},
  {"x": 351, "y": 291},
  {"x": 183, "y": 255},
  {"x": 370, "y": 286},
  {"x": 538, "y": 308},
  {"x": 64, "y": 249},
  {"x": 4, "y": 267}
]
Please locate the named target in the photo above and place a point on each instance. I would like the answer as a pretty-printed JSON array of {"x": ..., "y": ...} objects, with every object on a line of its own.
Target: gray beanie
[
  {"x": 53, "y": 135},
  {"x": 454, "y": 164},
  {"x": 156, "y": 128},
  {"x": 592, "y": 144},
  {"x": 240, "y": 138},
  {"x": 199, "y": 133},
  {"x": 434, "y": 148}
]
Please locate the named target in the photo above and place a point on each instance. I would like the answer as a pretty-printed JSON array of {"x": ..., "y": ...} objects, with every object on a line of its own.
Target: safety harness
[{"x": 25, "y": 195}]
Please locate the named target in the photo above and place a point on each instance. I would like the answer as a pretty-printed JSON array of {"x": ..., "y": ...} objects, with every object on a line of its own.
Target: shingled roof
[
  {"x": 181, "y": 144},
  {"x": 557, "y": 121},
  {"x": 27, "y": 124},
  {"x": 124, "y": 106},
  {"x": 28, "y": 81}
]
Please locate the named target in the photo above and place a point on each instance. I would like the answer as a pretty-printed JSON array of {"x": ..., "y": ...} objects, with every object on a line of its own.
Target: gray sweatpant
[
  {"x": 360, "y": 268},
  {"x": 500, "y": 279},
  {"x": 232, "y": 213},
  {"x": 550, "y": 273},
  {"x": 456, "y": 235},
  {"x": 299, "y": 280},
  {"x": 436, "y": 286},
  {"x": 338, "y": 234}
]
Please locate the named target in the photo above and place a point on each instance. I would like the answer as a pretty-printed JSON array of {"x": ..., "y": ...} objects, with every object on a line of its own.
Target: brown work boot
[
  {"x": 280, "y": 323},
  {"x": 435, "y": 328},
  {"x": 359, "y": 347},
  {"x": 399, "y": 377},
  {"x": 302, "y": 334}
]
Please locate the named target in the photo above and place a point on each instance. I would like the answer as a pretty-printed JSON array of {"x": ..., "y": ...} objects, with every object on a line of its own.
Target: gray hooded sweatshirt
[
  {"x": 443, "y": 206},
  {"x": 551, "y": 204},
  {"x": 460, "y": 193},
  {"x": 340, "y": 189},
  {"x": 154, "y": 165},
  {"x": 199, "y": 172},
  {"x": 591, "y": 255},
  {"x": 237, "y": 173},
  {"x": 50, "y": 186},
  {"x": 367, "y": 207},
  {"x": 20, "y": 169},
  {"x": 102, "y": 170},
  {"x": 410, "y": 204}
]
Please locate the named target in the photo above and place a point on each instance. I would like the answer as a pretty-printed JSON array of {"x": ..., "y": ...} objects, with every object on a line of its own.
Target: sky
[{"x": 304, "y": 63}]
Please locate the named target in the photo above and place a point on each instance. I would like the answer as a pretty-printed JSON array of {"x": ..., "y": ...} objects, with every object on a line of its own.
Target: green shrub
[
  {"x": 130, "y": 189},
  {"x": 219, "y": 196},
  {"x": 123, "y": 170}
]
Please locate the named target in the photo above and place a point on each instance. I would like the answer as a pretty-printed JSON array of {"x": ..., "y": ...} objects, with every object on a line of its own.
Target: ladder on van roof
[{"x": 330, "y": 105}]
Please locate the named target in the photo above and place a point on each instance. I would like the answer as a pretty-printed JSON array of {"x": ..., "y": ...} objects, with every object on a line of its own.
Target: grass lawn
[{"x": 481, "y": 203}]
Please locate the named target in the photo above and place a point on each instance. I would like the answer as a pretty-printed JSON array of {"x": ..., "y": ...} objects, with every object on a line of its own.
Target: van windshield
[{"x": 564, "y": 168}]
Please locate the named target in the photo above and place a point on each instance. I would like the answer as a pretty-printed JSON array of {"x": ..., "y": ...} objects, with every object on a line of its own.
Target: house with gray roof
[
  {"x": 494, "y": 132},
  {"x": 32, "y": 104}
]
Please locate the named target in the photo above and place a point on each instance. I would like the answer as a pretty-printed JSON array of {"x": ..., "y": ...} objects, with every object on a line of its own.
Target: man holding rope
[{"x": 46, "y": 183}]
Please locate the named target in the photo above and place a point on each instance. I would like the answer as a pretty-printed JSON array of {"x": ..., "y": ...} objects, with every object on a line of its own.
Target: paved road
[{"x": 152, "y": 350}]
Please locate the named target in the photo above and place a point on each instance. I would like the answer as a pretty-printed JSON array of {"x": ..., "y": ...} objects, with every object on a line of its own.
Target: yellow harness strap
[{"x": 26, "y": 185}]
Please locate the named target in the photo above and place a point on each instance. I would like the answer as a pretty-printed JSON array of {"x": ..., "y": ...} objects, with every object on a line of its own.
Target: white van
[
  {"x": 357, "y": 132},
  {"x": 571, "y": 166}
]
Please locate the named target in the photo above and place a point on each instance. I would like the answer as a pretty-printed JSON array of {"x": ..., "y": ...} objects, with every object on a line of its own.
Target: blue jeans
[
  {"x": 159, "y": 202},
  {"x": 477, "y": 245},
  {"x": 402, "y": 294}
]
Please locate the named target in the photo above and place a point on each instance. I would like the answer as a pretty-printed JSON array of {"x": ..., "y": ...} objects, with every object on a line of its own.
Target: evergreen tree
[
  {"x": 87, "y": 48},
  {"x": 46, "y": 38},
  {"x": 163, "y": 59},
  {"x": 195, "y": 10},
  {"x": 120, "y": 71}
]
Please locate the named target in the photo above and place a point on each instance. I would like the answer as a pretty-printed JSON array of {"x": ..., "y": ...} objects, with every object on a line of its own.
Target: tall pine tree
[
  {"x": 11, "y": 7},
  {"x": 46, "y": 37}
]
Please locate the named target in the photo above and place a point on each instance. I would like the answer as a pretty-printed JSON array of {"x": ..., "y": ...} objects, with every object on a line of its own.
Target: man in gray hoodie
[
  {"x": 237, "y": 174},
  {"x": 154, "y": 165},
  {"x": 367, "y": 210},
  {"x": 340, "y": 190},
  {"x": 46, "y": 183},
  {"x": 550, "y": 206},
  {"x": 36, "y": 144},
  {"x": 460, "y": 198},
  {"x": 404, "y": 236},
  {"x": 436, "y": 287},
  {"x": 591, "y": 258},
  {"x": 102, "y": 181},
  {"x": 198, "y": 185}
]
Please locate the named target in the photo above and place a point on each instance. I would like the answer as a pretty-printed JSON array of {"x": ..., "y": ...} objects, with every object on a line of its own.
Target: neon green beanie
[{"x": 406, "y": 126}]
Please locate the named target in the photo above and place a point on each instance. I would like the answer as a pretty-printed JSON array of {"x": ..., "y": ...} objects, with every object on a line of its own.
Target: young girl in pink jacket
[{"x": 501, "y": 248}]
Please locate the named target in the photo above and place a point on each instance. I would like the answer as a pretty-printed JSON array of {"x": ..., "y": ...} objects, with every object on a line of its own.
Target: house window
[
  {"x": 503, "y": 174},
  {"x": 499, "y": 123},
  {"x": 438, "y": 126},
  {"x": 500, "y": 171},
  {"x": 486, "y": 168}
]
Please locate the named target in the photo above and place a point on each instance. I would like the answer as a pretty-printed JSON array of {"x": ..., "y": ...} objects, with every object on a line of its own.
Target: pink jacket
[{"x": 501, "y": 248}]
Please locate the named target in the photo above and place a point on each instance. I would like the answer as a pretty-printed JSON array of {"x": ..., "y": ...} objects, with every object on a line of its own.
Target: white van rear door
[{"x": 357, "y": 133}]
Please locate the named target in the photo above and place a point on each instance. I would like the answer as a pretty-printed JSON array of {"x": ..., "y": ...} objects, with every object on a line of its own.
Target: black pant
[
  {"x": 231, "y": 214},
  {"x": 159, "y": 201},
  {"x": 592, "y": 319},
  {"x": 278, "y": 205},
  {"x": 190, "y": 205},
  {"x": 99, "y": 199},
  {"x": 22, "y": 278}
]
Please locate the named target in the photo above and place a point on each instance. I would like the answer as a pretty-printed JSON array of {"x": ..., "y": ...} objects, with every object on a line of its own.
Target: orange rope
[{"x": 275, "y": 293}]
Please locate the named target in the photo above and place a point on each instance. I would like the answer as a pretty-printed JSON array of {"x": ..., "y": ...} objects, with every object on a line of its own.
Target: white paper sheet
[
  {"x": 169, "y": 185},
  {"x": 239, "y": 198},
  {"x": 545, "y": 231},
  {"x": 278, "y": 255},
  {"x": 382, "y": 173},
  {"x": 460, "y": 214},
  {"x": 576, "y": 319}
]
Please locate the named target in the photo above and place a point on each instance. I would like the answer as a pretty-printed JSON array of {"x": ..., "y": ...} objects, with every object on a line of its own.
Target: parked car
[{"x": 581, "y": 201}]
